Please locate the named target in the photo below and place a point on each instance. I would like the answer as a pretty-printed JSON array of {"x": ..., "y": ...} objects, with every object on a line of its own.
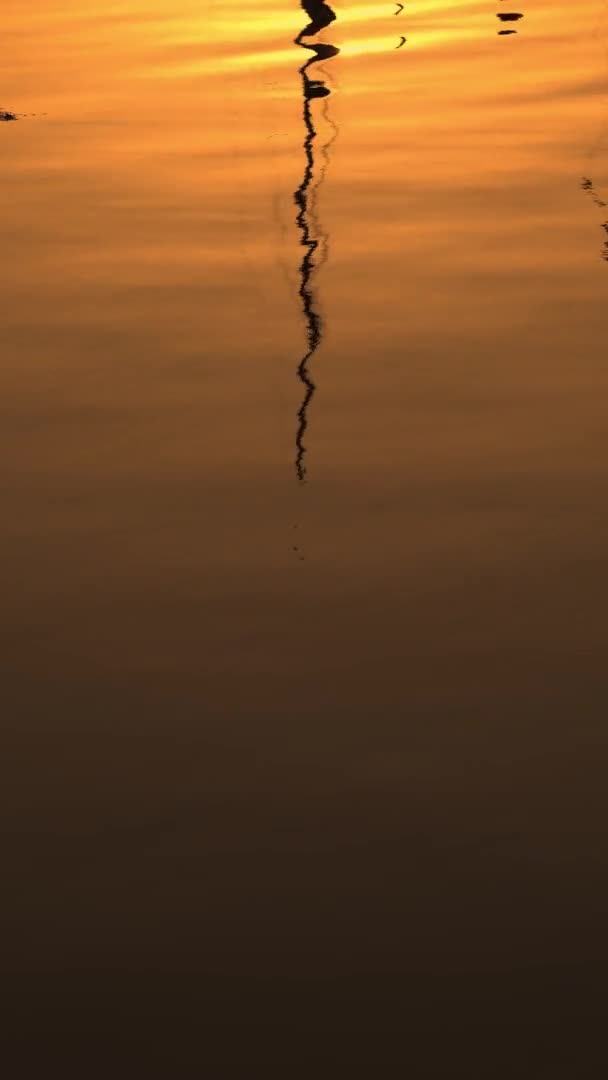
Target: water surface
[{"x": 305, "y": 450}]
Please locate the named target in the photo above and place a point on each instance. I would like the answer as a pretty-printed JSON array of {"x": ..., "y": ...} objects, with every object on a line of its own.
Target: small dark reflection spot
[
  {"x": 589, "y": 188},
  {"x": 587, "y": 185}
]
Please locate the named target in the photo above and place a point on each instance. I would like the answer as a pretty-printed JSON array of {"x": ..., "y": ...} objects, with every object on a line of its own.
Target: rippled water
[{"x": 305, "y": 449}]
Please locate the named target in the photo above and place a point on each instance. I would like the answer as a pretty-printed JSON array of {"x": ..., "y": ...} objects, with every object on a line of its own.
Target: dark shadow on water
[
  {"x": 6, "y": 115},
  {"x": 587, "y": 185},
  {"x": 313, "y": 239},
  {"x": 508, "y": 17},
  {"x": 589, "y": 188}
]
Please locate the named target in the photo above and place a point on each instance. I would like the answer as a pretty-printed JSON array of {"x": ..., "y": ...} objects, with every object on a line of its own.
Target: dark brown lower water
[{"x": 304, "y": 680}]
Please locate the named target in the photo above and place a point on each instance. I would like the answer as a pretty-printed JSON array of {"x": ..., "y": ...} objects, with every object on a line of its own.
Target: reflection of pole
[
  {"x": 312, "y": 316},
  {"x": 320, "y": 15}
]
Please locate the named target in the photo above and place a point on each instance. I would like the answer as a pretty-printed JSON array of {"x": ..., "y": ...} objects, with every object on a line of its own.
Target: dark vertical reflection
[{"x": 313, "y": 239}]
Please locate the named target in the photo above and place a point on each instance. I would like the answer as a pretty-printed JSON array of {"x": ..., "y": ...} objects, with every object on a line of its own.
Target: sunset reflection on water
[{"x": 336, "y": 745}]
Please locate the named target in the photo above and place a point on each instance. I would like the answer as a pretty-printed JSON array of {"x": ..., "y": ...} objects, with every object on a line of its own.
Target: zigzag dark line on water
[{"x": 320, "y": 16}]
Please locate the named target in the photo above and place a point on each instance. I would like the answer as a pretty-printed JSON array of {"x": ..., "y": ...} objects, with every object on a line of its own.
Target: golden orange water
[{"x": 350, "y": 729}]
